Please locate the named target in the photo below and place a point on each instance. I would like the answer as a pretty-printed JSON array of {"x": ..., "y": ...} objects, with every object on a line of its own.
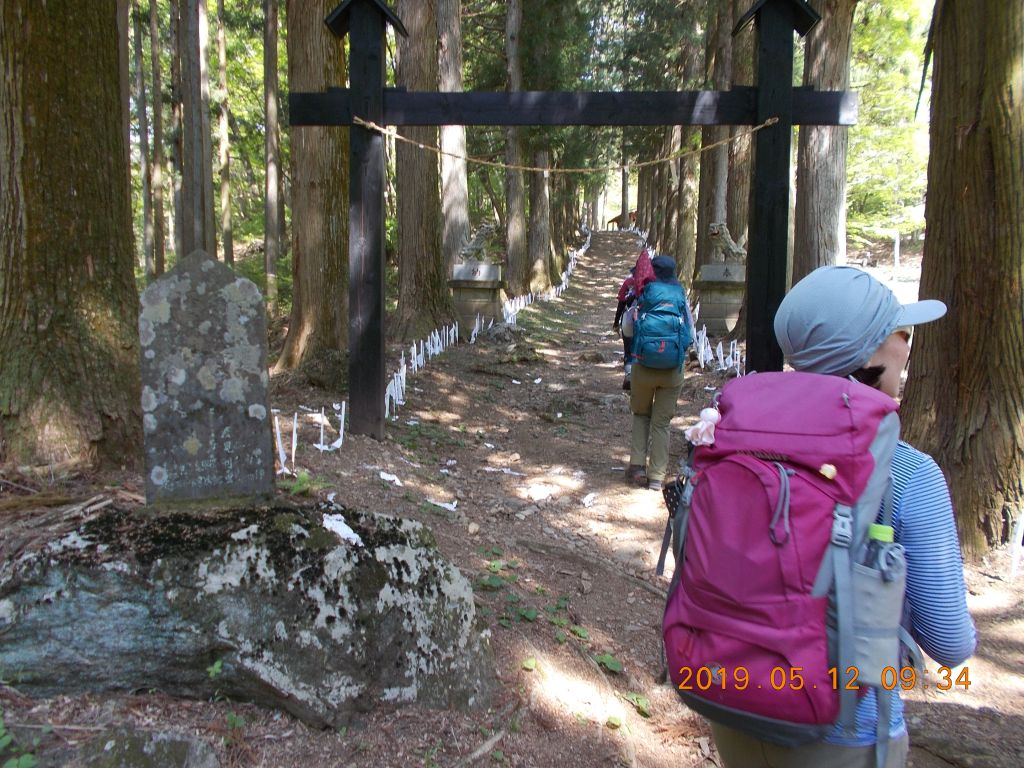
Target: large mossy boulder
[{"x": 257, "y": 604}]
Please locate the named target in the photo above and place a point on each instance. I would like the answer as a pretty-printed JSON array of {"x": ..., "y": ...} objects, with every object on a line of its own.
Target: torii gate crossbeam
[{"x": 367, "y": 98}]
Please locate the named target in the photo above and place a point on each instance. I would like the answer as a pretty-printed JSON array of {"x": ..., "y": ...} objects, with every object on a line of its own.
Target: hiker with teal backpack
[
  {"x": 662, "y": 332},
  {"x": 815, "y": 550}
]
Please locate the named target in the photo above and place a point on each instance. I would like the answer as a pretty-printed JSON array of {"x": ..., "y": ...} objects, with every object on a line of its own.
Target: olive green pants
[
  {"x": 738, "y": 750},
  {"x": 652, "y": 399}
]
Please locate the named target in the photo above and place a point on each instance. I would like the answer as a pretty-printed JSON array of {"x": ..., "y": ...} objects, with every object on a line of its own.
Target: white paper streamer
[
  {"x": 295, "y": 436},
  {"x": 505, "y": 471},
  {"x": 387, "y": 477},
  {"x": 282, "y": 457},
  {"x": 450, "y": 506}
]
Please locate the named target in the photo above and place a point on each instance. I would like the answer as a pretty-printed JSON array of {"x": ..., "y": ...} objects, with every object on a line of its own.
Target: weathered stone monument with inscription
[
  {"x": 313, "y": 608},
  {"x": 202, "y": 331}
]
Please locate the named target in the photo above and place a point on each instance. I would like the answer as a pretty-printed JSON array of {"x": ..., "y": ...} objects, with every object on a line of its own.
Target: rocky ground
[{"x": 523, "y": 437}]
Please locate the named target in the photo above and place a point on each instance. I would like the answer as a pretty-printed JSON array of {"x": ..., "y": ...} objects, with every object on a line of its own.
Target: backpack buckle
[{"x": 842, "y": 526}]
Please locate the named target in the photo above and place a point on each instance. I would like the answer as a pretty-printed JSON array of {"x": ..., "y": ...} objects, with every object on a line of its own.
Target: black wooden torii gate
[{"x": 368, "y": 99}]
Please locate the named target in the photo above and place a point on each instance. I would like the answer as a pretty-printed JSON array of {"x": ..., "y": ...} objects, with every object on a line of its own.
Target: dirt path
[
  {"x": 547, "y": 405},
  {"x": 529, "y": 435}
]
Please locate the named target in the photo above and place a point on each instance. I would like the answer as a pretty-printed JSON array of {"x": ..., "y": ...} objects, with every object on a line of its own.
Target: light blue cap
[{"x": 834, "y": 319}]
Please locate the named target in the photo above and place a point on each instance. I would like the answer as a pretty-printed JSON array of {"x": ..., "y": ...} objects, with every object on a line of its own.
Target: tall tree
[
  {"x": 714, "y": 163},
  {"x": 454, "y": 182},
  {"x": 124, "y": 76},
  {"x": 518, "y": 278},
  {"x": 738, "y": 202},
  {"x": 964, "y": 401},
  {"x": 319, "y": 171},
  {"x": 272, "y": 154},
  {"x": 540, "y": 224},
  {"x": 423, "y": 300},
  {"x": 177, "y": 130},
  {"x": 689, "y": 164},
  {"x": 158, "y": 140},
  {"x": 624, "y": 156},
  {"x": 197, "y": 190},
  {"x": 206, "y": 137},
  {"x": 69, "y": 382},
  {"x": 224, "y": 140},
  {"x": 144, "y": 163},
  {"x": 820, "y": 223}
]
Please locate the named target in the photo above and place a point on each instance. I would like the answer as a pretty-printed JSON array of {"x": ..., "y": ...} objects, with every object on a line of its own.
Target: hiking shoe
[
  {"x": 654, "y": 485},
  {"x": 626, "y": 386},
  {"x": 636, "y": 475}
]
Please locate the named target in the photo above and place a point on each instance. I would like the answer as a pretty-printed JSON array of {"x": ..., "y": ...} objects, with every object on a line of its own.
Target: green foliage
[
  {"x": 234, "y": 731},
  {"x": 641, "y": 703},
  {"x": 244, "y": 40},
  {"x": 528, "y": 613},
  {"x": 888, "y": 153},
  {"x": 303, "y": 484},
  {"x": 491, "y": 582},
  {"x": 609, "y": 662},
  {"x": 569, "y": 45},
  {"x": 11, "y": 753}
]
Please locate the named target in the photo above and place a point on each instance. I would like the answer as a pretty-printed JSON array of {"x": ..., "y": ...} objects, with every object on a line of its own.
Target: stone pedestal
[
  {"x": 476, "y": 290},
  {"x": 719, "y": 288}
]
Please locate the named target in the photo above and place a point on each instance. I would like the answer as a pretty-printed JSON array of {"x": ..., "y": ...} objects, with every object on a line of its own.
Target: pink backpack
[{"x": 772, "y": 612}]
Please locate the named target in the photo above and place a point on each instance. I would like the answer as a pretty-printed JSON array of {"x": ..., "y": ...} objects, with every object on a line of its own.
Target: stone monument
[
  {"x": 476, "y": 290},
  {"x": 721, "y": 283},
  {"x": 202, "y": 333}
]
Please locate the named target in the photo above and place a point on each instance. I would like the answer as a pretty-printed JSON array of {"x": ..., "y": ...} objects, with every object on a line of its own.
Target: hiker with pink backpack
[{"x": 815, "y": 550}]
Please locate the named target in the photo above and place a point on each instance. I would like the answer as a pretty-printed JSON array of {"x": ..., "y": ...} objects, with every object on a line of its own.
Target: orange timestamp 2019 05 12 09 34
[{"x": 782, "y": 678}]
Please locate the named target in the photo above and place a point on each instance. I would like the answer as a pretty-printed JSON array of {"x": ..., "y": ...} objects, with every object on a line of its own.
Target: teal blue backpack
[{"x": 661, "y": 334}]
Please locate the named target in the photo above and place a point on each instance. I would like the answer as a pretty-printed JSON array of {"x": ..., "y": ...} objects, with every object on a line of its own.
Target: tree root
[
  {"x": 553, "y": 550},
  {"x": 509, "y": 716}
]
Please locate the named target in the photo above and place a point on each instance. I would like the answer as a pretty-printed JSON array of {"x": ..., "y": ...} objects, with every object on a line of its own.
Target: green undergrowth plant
[
  {"x": 12, "y": 754},
  {"x": 303, "y": 484}
]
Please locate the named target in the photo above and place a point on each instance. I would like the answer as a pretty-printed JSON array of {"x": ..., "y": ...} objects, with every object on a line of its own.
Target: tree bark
[
  {"x": 738, "y": 202},
  {"x": 540, "y": 225},
  {"x": 158, "y": 141},
  {"x": 69, "y": 382},
  {"x": 714, "y": 163},
  {"x": 320, "y": 180},
  {"x": 206, "y": 137},
  {"x": 124, "y": 76},
  {"x": 820, "y": 223},
  {"x": 496, "y": 201},
  {"x": 177, "y": 132},
  {"x": 272, "y": 154},
  {"x": 515, "y": 186},
  {"x": 197, "y": 195},
  {"x": 965, "y": 396},
  {"x": 423, "y": 297},
  {"x": 688, "y": 195},
  {"x": 454, "y": 182},
  {"x": 144, "y": 164},
  {"x": 226, "y": 235},
  {"x": 624, "y": 184}
]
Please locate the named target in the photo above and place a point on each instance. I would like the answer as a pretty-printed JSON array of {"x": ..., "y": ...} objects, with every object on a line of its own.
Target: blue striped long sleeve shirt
[{"x": 936, "y": 596}]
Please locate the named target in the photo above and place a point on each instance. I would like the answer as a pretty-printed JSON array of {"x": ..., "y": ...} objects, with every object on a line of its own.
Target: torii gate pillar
[
  {"x": 364, "y": 22},
  {"x": 774, "y": 96},
  {"x": 768, "y": 253}
]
